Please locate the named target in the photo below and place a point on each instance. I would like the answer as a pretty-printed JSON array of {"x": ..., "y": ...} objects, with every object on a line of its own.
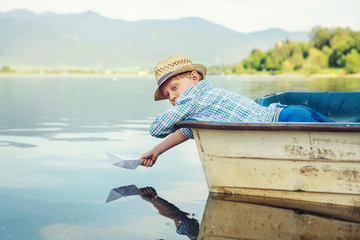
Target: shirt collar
[{"x": 194, "y": 91}]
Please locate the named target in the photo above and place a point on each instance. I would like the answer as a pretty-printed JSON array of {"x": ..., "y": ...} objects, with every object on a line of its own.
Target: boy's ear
[{"x": 195, "y": 76}]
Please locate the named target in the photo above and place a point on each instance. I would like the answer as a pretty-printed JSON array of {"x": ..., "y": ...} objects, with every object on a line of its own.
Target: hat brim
[{"x": 201, "y": 69}]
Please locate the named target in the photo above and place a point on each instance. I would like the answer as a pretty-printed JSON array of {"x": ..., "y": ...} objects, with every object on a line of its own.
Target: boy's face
[{"x": 173, "y": 88}]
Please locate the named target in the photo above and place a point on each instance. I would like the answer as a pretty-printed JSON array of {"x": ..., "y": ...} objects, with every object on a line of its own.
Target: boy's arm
[
  {"x": 165, "y": 123},
  {"x": 172, "y": 140}
]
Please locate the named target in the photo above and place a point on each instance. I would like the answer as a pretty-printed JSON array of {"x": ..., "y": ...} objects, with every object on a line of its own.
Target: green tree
[
  {"x": 298, "y": 60},
  {"x": 238, "y": 68},
  {"x": 342, "y": 42},
  {"x": 352, "y": 64},
  {"x": 318, "y": 58},
  {"x": 301, "y": 48},
  {"x": 356, "y": 36},
  {"x": 342, "y": 38},
  {"x": 320, "y": 37},
  {"x": 270, "y": 61},
  {"x": 327, "y": 50},
  {"x": 273, "y": 59},
  {"x": 255, "y": 60},
  {"x": 287, "y": 65}
]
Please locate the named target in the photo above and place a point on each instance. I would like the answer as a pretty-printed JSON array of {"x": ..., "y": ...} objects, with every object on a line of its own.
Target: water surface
[{"x": 54, "y": 174}]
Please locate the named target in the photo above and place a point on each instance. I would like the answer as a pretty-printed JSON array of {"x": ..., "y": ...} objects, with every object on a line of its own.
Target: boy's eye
[{"x": 174, "y": 87}]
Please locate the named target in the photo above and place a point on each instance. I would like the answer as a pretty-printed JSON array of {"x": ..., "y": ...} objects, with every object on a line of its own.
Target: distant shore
[
  {"x": 329, "y": 75},
  {"x": 73, "y": 74},
  {"x": 316, "y": 75}
]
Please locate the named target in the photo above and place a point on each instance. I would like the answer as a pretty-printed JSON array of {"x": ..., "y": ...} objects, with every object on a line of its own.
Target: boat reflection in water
[
  {"x": 185, "y": 225},
  {"x": 242, "y": 217},
  {"x": 228, "y": 216}
]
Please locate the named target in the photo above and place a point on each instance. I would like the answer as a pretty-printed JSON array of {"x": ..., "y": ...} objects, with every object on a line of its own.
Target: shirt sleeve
[
  {"x": 165, "y": 123},
  {"x": 187, "y": 132}
]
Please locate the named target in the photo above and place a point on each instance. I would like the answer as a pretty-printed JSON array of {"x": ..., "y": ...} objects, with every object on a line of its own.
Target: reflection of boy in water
[{"x": 184, "y": 225}]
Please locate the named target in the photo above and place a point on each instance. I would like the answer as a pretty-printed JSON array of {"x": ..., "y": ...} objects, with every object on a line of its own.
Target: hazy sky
[{"x": 239, "y": 15}]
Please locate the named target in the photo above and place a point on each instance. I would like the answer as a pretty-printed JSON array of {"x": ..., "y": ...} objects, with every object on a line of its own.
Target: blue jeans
[{"x": 295, "y": 113}]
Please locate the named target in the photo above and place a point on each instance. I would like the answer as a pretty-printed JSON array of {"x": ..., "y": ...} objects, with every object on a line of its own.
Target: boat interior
[{"x": 338, "y": 106}]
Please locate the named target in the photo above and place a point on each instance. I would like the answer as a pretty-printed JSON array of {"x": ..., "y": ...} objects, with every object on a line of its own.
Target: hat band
[{"x": 164, "y": 77}]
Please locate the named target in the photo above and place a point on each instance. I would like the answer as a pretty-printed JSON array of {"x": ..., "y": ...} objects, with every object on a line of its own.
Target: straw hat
[{"x": 172, "y": 66}]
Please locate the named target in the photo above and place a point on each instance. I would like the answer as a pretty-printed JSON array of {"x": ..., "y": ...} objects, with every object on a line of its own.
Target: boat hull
[{"x": 307, "y": 165}]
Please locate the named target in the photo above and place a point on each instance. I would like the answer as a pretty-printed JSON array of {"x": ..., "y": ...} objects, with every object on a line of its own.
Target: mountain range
[{"x": 92, "y": 41}]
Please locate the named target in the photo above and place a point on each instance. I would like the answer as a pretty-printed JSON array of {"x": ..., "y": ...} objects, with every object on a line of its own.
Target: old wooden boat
[{"x": 314, "y": 162}]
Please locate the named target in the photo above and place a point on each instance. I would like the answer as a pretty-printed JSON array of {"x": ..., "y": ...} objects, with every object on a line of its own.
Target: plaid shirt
[{"x": 202, "y": 102}]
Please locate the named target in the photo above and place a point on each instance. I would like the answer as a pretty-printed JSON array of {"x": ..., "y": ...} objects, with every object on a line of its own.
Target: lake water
[{"x": 54, "y": 174}]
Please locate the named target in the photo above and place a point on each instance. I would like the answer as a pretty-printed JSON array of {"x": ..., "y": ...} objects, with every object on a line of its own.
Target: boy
[{"x": 193, "y": 98}]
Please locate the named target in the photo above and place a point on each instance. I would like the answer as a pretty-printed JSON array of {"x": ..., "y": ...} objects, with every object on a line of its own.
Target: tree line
[{"x": 328, "y": 48}]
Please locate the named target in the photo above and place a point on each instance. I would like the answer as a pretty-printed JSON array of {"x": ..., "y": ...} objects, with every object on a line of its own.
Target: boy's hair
[{"x": 184, "y": 75}]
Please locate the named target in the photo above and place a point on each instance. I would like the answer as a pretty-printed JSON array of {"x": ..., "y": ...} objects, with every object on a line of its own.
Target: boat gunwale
[{"x": 273, "y": 126}]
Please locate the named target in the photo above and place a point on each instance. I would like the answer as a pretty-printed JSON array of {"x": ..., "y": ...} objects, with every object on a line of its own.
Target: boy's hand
[
  {"x": 148, "y": 191},
  {"x": 148, "y": 194},
  {"x": 149, "y": 158},
  {"x": 147, "y": 163}
]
